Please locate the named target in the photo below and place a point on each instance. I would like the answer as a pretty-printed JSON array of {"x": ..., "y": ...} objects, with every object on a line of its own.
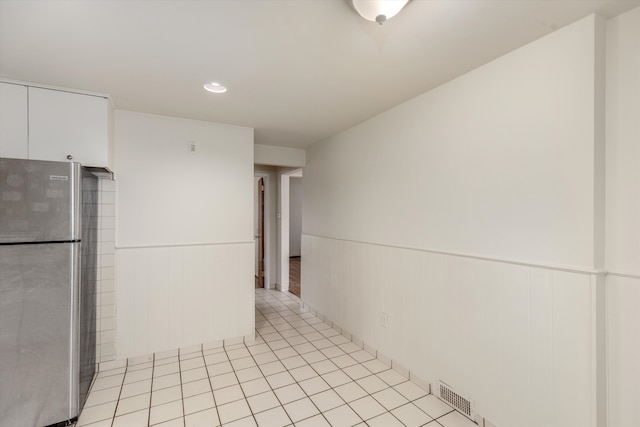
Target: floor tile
[
  {"x": 301, "y": 409},
  {"x": 390, "y": 399},
  {"x": 302, "y": 373},
  {"x": 456, "y": 419},
  {"x": 324, "y": 367},
  {"x": 264, "y": 358},
  {"x": 165, "y": 382},
  {"x": 263, "y": 401},
  {"x": 176, "y": 422},
  {"x": 134, "y": 389},
  {"x": 272, "y": 368},
  {"x": 243, "y": 363},
  {"x": 196, "y": 387},
  {"x": 166, "y": 395},
  {"x": 391, "y": 377},
  {"x": 342, "y": 416},
  {"x": 97, "y": 413},
  {"x": 367, "y": 407},
  {"x": 134, "y": 419},
  {"x": 385, "y": 420},
  {"x": 103, "y": 396},
  {"x": 166, "y": 369},
  {"x": 212, "y": 359},
  {"x": 411, "y": 415},
  {"x": 254, "y": 387},
  {"x": 238, "y": 354},
  {"x": 219, "y": 368},
  {"x": 344, "y": 361},
  {"x": 326, "y": 400},
  {"x": 280, "y": 380},
  {"x": 249, "y": 374},
  {"x": 293, "y": 362},
  {"x": 361, "y": 356},
  {"x": 313, "y": 385},
  {"x": 206, "y": 418},
  {"x": 233, "y": 411},
  {"x": 224, "y": 380},
  {"x": 286, "y": 352},
  {"x": 107, "y": 382},
  {"x": 357, "y": 371},
  {"x": 196, "y": 362},
  {"x": 375, "y": 366},
  {"x": 194, "y": 375},
  {"x": 433, "y": 406},
  {"x": 198, "y": 403},
  {"x": 275, "y": 417},
  {"x": 350, "y": 392},
  {"x": 243, "y": 422},
  {"x": 165, "y": 412},
  {"x": 317, "y": 421},
  {"x": 372, "y": 384},
  {"x": 228, "y": 394},
  {"x": 289, "y": 393},
  {"x": 133, "y": 404},
  {"x": 336, "y": 378},
  {"x": 134, "y": 376},
  {"x": 410, "y": 390},
  {"x": 313, "y": 356},
  {"x": 333, "y": 351}
]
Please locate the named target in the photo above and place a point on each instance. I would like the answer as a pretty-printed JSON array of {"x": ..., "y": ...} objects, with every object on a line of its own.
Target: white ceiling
[{"x": 298, "y": 71}]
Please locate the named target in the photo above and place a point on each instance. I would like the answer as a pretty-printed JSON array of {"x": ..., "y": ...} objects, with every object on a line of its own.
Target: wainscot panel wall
[
  {"x": 184, "y": 244},
  {"x": 472, "y": 216},
  {"x": 623, "y": 218},
  {"x": 512, "y": 338}
]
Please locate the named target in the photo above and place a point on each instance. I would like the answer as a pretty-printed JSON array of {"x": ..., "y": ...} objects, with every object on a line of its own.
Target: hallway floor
[
  {"x": 294, "y": 275},
  {"x": 298, "y": 372}
]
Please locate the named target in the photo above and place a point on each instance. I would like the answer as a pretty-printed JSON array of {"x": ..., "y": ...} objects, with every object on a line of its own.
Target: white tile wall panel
[
  {"x": 105, "y": 322},
  {"x": 514, "y": 338},
  {"x": 623, "y": 335}
]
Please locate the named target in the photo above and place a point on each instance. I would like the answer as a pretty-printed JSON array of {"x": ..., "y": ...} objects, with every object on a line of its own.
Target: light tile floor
[{"x": 298, "y": 372}]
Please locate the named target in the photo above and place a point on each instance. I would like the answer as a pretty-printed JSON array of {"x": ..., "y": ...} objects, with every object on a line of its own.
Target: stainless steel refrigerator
[{"x": 48, "y": 236}]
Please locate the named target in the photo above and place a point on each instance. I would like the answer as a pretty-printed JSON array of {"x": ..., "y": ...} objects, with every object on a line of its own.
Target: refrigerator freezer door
[
  {"x": 39, "y": 201},
  {"x": 38, "y": 350}
]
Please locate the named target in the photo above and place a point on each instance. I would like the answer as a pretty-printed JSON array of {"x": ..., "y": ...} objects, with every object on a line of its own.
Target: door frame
[{"x": 267, "y": 231}]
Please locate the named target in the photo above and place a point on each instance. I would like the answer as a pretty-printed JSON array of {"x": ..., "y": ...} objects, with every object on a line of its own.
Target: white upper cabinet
[
  {"x": 14, "y": 131},
  {"x": 68, "y": 126}
]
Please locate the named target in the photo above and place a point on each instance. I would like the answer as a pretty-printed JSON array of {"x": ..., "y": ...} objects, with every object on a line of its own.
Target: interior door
[{"x": 259, "y": 237}]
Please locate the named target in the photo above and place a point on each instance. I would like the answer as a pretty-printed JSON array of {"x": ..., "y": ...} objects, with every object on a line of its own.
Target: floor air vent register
[{"x": 458, "y": 402}]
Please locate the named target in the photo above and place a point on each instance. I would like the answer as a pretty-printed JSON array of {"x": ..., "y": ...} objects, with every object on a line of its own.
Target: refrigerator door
[
  {"x": 38, "y": 303},
  {"x": 39, "y": 201}
]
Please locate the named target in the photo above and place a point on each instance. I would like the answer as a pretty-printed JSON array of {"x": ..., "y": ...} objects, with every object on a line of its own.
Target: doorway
[
  {"x": 295, "y": 233},
  {"x": 290, "y": 237},
  {"x": 258, "y": 226}
]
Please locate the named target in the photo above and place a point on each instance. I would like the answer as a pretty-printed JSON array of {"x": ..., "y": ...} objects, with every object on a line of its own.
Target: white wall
[
  {"x": 472, "y": 215},
  {"x": 623, "y": 218},
  {"x": 528, "y": 116},
  {"x": 184, "y": 243},
  {"x": 295, "y": 216}
]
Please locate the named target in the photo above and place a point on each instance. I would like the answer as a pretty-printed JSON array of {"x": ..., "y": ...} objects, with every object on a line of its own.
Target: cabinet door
[
  {"x": 13, "y": 121},
  {"x": 65, "y": 124}
]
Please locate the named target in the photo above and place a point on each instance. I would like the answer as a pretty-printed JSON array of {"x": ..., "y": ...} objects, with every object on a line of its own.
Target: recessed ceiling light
[{"x": 215, "y": 87}]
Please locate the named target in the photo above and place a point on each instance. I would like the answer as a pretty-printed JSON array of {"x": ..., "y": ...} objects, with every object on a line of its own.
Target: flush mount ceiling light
[
  {"x": 215, "y": 87},
  {"x": 378, "y": 10}
]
